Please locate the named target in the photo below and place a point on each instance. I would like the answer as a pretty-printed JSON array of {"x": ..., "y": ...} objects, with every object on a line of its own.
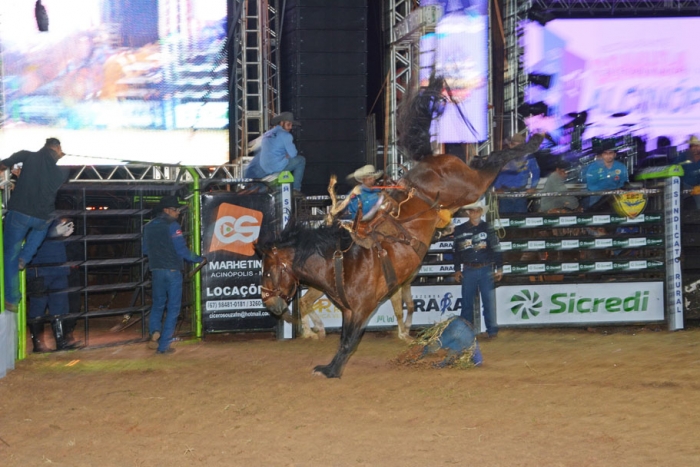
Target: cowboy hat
[
  {"x": 284, "y": 117},
  {"x": 693, "y": 141},
  {"x": 169, "y": 202},
  {"x": 478, "y": 205},
  {"x": 366, "y": 171}
]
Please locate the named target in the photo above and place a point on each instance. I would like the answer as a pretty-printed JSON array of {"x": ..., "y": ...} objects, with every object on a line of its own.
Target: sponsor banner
[
  {"x": 580, "y": 303},
  {"x": 530, "y": 245},
  {"x": 231, "y": 224},
  {"x": 598, "y": 266},
  {"x": 432, "y": 304},
  {"x": 568, "y": 221},
  {"x": 674, "y": 279}
]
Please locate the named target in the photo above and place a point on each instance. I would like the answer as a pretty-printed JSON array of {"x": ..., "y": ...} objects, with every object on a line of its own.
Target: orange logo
[{"x": 236, "y": 229}]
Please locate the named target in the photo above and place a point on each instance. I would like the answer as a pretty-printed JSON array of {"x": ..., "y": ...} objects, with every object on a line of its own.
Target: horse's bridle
[{"x": 266, "y": 293}]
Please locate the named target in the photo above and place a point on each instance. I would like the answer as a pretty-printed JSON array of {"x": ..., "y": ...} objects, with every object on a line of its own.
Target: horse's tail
[{"x": 417, "y": 110}]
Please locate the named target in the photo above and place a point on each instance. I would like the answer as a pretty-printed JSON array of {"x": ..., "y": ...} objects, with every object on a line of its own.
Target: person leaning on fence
[
  {"x": 477, "y": 261},
  {"x": 605, "y": 173},
  {"x": 278, "y": 153},
  {"x": 556, "y": 183},
  {"x": 690, "y": 159},
  {"x": 166, "y": 249},
  {"x": 30, "y": 210},
  {"x": 521, "y": 174}
]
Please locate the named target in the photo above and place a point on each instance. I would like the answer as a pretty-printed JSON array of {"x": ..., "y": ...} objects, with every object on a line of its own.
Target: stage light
[
  {"x": 540, "y": 80},
  {"x": 541, "y": 17},
  {"x": 538, "y": 108},
  {"x": 42, "y": 18}
]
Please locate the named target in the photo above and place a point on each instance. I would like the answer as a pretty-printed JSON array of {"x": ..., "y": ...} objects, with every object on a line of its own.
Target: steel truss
[
  {"x": 515, "y": 77},
  {"x": 254, "y": 43}
]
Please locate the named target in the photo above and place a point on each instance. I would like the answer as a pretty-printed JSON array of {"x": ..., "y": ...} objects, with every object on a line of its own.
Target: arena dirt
[{"x": 571, "y": 397}]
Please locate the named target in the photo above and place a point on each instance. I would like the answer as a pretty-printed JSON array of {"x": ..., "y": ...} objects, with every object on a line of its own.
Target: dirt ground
[{"x": 565, "y": 397}]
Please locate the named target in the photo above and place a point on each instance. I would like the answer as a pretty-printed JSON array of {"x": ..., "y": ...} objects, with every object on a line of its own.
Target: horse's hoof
[{"x": 325, "y": 370}]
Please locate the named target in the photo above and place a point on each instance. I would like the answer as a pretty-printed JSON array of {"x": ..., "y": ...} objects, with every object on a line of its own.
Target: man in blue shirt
[
  {"x": 520, "y": 174},
  {"x": 690, "y": 159},
  {"x": 166, "y": 249},
  {"x": 605, "y": 173},
  {"x": 477, "y": 261},
  {"x": 278, "y": 153},
  {"x": 364, "y": 194}
]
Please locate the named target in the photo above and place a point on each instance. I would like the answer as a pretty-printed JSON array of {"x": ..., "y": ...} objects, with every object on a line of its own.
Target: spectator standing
[
  {"x": 278, "y": 152},
  {"x": 30, "y": 210},
  {"x": 521, "y": 174},
  {"x": 556, "y": 183},
  {"x": 477, "y": 262},
  {"x": 166, "y": 249}
]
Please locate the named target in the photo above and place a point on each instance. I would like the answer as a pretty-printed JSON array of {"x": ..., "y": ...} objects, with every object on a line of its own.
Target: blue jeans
[
  {"x": 167, "y": 287},
  {"x": 506, "y": 205},
  {"x": 481, "y": 279},
  {"x": 296, "y": 165},
  {"x": 56, "y": 298},
  {"x": 19, "y": 227}
]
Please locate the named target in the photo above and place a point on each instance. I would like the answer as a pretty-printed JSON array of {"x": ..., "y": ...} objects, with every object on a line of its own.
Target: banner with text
[
  {"x": 231, "y": 224},
  {"x": 580, "y": 303}
]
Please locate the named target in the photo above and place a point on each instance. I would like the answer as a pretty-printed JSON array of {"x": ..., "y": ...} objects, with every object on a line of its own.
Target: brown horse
[{"x": 358, "y": 270}]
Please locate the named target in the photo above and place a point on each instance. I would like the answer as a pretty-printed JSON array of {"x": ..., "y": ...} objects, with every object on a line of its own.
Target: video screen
[
  {"x": 126, "y": 80},
  {"x": 612, "y": 77},
  {"x": 458, "y": 50}
]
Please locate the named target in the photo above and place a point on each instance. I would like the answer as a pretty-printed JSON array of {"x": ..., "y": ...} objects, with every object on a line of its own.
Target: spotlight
[
  {"x": 538, "y": 108},
  {"x": 541, "y": 17},
  {"x": 540, "y": 80},
  {"x": 42, "y": 19}
]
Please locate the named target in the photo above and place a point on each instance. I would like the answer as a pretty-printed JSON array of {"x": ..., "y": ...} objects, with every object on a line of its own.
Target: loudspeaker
[{"x": 324, "y": 83}]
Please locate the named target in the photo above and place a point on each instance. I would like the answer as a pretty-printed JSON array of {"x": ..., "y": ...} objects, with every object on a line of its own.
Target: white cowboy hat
[
  {"x": 693, "y": 141},
  {"x": 366, "y": 171},
  {"x": 478, "y": 205}
]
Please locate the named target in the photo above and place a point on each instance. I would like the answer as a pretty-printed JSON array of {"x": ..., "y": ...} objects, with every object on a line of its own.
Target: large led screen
[
  {"x": 630, "y": 76},
  {"x": 458, "y": 51},
  {"x": 130, "y": 80}
]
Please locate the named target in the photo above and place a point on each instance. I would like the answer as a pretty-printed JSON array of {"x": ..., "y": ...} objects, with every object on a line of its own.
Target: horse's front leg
[{"x": 350, "y": 335}]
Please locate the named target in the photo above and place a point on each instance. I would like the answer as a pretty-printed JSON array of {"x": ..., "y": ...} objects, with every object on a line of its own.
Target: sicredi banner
[
  {"x": 580, "y": 303},
  {"x": 231, "y": 224}
]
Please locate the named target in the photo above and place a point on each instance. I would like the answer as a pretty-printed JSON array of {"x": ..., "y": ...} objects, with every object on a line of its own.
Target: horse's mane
[
  {"x": 415, "y": 114},
  {"x": 307, "y": 241}
]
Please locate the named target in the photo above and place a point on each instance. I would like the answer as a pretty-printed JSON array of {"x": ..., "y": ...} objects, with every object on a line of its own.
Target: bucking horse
[{"x": 360, "y": 267}]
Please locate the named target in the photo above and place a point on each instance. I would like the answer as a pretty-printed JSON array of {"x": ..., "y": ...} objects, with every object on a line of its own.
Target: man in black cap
[
  {"x": 165, "y": 247},
  {"x": 30, "y": 210},
  {"x": 278, "y": 153}
]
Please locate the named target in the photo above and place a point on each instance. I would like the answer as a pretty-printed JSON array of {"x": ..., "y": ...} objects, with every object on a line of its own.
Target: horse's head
[{"x": 279, "y": 284}]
